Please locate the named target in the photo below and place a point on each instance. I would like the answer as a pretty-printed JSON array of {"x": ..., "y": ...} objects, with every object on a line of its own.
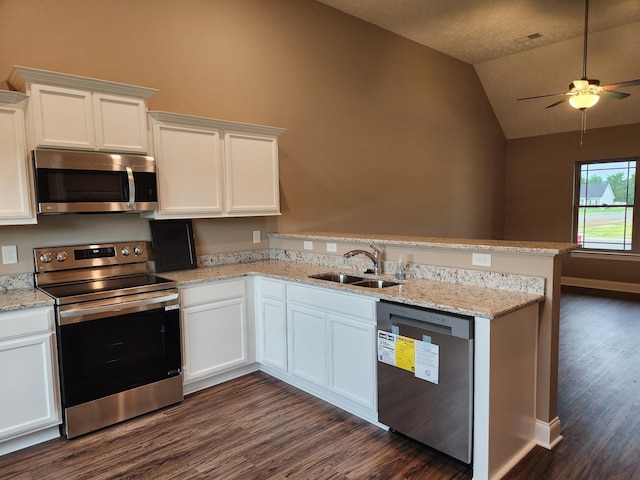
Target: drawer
[
  {"x": 272, "y": 288},
  {"x": 212, "y": 291},
  {"x": 349, "y": 305},
  {"x": 26, "y": 322}
]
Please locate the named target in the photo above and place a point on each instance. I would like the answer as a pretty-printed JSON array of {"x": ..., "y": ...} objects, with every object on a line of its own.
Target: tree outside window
[{"x": 604, "y": 203}]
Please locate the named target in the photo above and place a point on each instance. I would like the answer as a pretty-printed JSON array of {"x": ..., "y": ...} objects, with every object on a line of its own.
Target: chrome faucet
[{"x": 375, "y": 256}]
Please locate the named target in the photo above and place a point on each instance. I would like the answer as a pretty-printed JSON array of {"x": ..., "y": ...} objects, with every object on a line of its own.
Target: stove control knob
[
  {"x": 125, "y": 251},
  {"x": 61, "y": 256},
  {"x": 45, "y": 257},
  {"x": 137, "y": 250}
]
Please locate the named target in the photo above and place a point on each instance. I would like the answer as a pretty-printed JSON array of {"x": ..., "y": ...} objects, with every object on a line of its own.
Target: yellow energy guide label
[{"x": 415, "y": 356}]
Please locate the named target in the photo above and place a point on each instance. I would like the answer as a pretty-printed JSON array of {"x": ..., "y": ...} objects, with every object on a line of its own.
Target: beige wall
[
  {"x": 383, "y": 135},
  {"x": 539, "y": 192}
]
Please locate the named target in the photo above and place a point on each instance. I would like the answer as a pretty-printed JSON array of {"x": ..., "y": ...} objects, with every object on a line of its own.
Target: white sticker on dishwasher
[
  {"x": 387, "y": 347},
  {"x": 428, "y": 362}
]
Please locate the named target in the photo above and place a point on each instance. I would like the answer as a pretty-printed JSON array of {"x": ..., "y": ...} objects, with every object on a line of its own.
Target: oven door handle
[{"x": 75, "y": 314}]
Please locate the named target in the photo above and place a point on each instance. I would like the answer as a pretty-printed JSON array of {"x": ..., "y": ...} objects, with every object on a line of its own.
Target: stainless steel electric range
[{"x": 118, "y": 332}]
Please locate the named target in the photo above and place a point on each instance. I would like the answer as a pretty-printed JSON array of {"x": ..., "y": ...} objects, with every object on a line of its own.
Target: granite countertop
[
  {"x": 20, "y": 299},
  {"x": 463, "y": 299},
  {"x": 540, "y": 248},
  {"x": 456, "y": 298}
]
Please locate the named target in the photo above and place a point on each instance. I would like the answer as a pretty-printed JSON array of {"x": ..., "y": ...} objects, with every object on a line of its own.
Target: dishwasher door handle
[
  {"x": 428, "y": 326},
  {"x": 460, "y": 326}
]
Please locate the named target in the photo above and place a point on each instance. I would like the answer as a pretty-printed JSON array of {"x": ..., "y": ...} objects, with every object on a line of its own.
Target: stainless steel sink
[
  {"x": 370, "y": 283},
  {"x": 354, "y": 280},
  {"x": 337, "y": 277}
]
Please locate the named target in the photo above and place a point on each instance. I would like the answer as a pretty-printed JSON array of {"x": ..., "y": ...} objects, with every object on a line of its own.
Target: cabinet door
[
  {"x": 251, "y": 166},
  {"x": 16, "y": 201},
  {"x": 120, "y": 123},
  {"x": 189, "y": 169},
  {"x": 62, "y": 117},
  {"x": 272, "y": 349},
  {"x": 307, "y": 344},
  {"x": 28, "y": 401},
  {"x": 215, "y": 338},
  {"x": 353, "y": 360}
]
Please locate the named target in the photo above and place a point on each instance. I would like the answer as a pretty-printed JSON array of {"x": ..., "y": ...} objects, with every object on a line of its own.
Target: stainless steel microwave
[{"x": 93, "y": 182}]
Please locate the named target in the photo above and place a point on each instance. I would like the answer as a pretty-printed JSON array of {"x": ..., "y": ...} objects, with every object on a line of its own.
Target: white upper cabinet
[
  {"x": 251, "y": 163},
  {"x": 214, "y": 168},
  {"x": 16, "y": 201},
  {"x": 188, "y": 157},
  {"x": 68, "y": 111}
]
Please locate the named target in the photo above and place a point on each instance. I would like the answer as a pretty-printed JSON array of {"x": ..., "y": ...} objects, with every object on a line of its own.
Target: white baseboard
[
  {"x": 626, "y": 287},
  {"x": 192, "y": 387},
  {"x": 29, "y": 440},
  {"x": 547, "y": 435}
]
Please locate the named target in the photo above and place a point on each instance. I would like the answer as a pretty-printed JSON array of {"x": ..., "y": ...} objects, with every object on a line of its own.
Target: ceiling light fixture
[{"x": 583, "y": 100}]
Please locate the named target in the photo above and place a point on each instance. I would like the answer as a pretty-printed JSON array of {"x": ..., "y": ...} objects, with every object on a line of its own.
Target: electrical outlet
[
  {"x": 308, "y": 245},
  {"x": 481, "y": 259},
  {"x": 256, "y": 236},
  {"x": 9, "y": 254},
  {"x": 332, "y": 247}
]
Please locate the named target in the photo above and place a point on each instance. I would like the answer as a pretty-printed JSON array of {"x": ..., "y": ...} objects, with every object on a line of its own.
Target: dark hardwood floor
[{"x": 258, "y": 428}]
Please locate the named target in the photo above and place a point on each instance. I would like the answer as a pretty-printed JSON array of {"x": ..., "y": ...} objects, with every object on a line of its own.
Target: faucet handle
[{"x": 373, "y": 247}]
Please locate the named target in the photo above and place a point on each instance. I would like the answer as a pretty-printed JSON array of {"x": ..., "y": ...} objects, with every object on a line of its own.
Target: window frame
[{"x": 635, "y": 228}]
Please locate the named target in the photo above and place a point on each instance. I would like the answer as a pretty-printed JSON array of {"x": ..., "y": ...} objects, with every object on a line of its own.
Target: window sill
[{"x": 600, "y": 255}]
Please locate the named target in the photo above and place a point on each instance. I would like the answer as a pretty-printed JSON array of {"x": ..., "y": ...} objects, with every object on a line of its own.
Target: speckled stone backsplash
[
  {"x": 16, "y": 282},
  {"x": 477, "y": 278},
  {"x": 246, "y": 256}
]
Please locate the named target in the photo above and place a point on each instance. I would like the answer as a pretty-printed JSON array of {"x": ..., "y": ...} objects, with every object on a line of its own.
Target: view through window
[{"x": 604, "y": 204}]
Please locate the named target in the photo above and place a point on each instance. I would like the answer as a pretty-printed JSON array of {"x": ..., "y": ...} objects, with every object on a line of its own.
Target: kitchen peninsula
[{"x": 504, "y": 298}]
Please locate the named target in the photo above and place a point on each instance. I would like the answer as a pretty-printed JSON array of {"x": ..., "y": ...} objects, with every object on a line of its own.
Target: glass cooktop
[{"x": 105, "y": 287}]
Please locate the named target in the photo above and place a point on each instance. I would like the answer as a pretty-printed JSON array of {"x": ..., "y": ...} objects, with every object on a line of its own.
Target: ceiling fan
[{"x": 586, "y": 92}]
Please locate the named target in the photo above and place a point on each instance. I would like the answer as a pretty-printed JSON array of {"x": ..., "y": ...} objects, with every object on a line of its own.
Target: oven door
[{"x": 106, "y": 347}]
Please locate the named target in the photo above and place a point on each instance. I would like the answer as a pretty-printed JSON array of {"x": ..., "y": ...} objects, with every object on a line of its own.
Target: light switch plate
[
  {"x": 9, "y": 254},
  {"x": 308, "y": 245},
  {"x": 332, "y": 247},
  {"x": 481, "y": 259},
  {"x": 256, "y": 236}
]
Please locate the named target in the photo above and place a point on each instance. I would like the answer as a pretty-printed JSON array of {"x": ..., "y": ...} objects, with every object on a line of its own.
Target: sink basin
[
  {"x": 375, "y": 283},
  {"x": 337, "y": 277},
  {"x": 354, "y": 280}
]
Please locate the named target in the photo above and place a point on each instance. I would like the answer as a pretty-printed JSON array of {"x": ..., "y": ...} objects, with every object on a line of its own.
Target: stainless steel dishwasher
[{"x": 425, "y": 376}]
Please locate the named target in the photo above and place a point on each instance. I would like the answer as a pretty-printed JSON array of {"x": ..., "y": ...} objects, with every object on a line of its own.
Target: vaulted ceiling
[{"x": 523, "y": 48}]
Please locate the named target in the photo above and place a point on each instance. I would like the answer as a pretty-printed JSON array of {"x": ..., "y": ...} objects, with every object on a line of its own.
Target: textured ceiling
[{"x": 493, "y": 35}]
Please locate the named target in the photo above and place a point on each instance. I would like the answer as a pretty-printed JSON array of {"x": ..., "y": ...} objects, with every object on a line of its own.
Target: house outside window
[{"x": 604, "y": 205}]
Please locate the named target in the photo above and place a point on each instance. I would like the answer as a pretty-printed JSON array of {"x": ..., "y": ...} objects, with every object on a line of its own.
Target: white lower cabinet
[
  {"x": 271, "y": 323},
  {"x": 352, "y": 358},
  {"x": 323, "y": 343},
  {"x": 29, "y": 399},
  {"x": 308, "y": 343},
  {"x": 215, "y": 332}
]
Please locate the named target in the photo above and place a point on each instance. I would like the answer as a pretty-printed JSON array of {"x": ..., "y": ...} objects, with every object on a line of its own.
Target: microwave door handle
[{"x": 132, "y": 188}]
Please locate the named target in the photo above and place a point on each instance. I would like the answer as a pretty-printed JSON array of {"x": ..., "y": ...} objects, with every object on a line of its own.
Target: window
[{"x": 604, "y": 203}]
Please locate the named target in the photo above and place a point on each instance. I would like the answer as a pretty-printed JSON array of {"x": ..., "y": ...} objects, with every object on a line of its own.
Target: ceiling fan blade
[
  {"x": 557, "y": 103},
  {"x": 541, "y": 96},
  {"x": 630, "y": 83},
  {"x": 616, "y": 95}
]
